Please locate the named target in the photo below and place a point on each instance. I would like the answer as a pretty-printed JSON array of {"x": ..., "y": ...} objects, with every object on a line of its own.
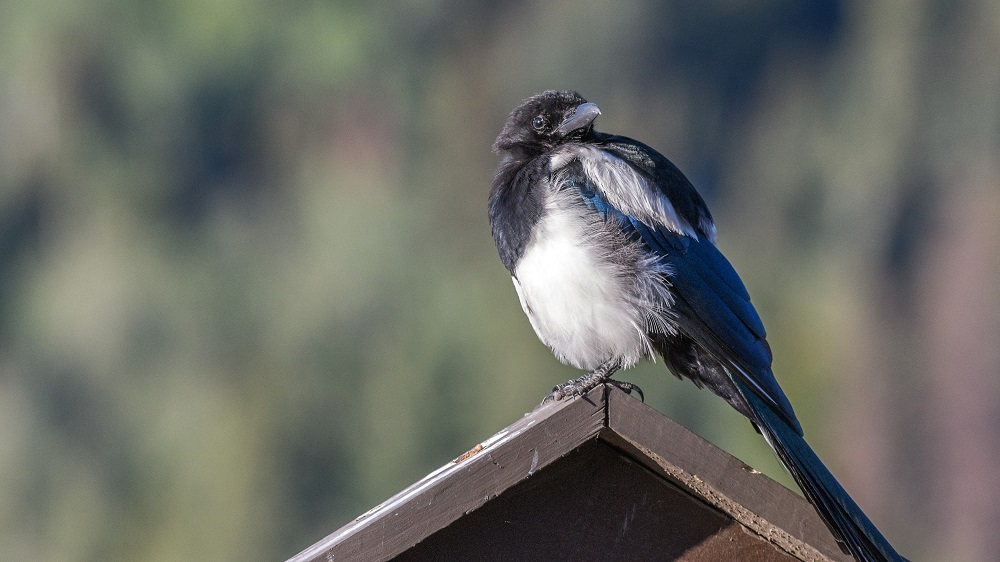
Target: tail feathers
[{"x": 851, "y": 527}]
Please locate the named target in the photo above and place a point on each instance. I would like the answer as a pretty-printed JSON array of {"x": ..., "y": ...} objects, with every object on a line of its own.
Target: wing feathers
[
  {"x": 717, "y": 337},
  {"x": 716, "y": 311}
]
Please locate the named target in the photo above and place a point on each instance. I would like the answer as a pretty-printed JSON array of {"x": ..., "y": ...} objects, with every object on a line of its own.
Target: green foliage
[{"x": 247, "y": 288}]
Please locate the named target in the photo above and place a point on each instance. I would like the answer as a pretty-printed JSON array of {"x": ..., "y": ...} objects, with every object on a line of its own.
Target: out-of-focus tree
[{"x": 247, "y": 289}]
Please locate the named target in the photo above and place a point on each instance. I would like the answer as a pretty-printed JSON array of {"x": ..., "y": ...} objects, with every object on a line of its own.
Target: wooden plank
[
  {"x": 595, "y": 504},
  {"x": 462, "y": 486},
  {"x": 751, "y": 498},
  {"x": 708, "y": 505}
]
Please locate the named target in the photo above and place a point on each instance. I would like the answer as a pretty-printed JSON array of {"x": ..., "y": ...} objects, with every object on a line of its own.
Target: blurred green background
[{"x": 248, "y": 290}]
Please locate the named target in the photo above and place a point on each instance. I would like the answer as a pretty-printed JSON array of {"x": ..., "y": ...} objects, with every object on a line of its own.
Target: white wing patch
[{"x": 624, "y": 187}]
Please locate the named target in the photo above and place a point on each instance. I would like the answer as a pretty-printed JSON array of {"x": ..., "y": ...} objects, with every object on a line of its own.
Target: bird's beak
[{"x": 581, "y": 118}]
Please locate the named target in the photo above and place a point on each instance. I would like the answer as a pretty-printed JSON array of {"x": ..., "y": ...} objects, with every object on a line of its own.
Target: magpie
[{"x": 612, "y": 252}]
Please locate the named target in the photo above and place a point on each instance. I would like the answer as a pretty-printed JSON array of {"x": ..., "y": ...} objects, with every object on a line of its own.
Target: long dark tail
[{"x": 852, "y": 528}]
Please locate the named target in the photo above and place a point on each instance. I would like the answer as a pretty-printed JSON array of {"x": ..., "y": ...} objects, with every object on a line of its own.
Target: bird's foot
[
  {"x": 628, "y": 388},
  {"x": 584, "y": 384},
  {"x": 575, "y": 387},
  {"x": 579, "y": 387}
]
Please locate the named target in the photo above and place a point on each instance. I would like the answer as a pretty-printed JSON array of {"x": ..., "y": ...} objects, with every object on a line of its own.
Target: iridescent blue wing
[{"x": 712, "y": 305}]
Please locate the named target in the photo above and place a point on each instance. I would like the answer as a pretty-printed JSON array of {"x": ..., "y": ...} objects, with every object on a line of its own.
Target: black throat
[{"x": 517, "y": 200}]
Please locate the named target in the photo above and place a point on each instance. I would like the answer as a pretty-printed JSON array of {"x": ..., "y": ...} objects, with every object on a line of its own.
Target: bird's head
[{"x": 545, "y": 121}]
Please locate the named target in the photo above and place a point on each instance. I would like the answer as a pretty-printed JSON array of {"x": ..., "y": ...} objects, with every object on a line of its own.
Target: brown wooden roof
[{"x": 602, "y": 477}]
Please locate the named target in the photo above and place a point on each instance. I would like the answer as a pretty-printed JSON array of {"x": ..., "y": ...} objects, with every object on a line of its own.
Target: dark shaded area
[
  {"x": 20, "y": 241},
  {"x": 221, "y": 162},
  {"x": 319, "y": 473},
  {"x": 726, "y": 52},
  {"x": 592, "y": 505},
  {"x": 94, "y": 76},
  {"x": 730, "y": 47},
  {"x": 911, "y": 225}
]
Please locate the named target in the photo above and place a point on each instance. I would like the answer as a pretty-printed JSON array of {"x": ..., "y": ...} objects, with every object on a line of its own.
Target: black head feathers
[{"x": 545, "y": 120}]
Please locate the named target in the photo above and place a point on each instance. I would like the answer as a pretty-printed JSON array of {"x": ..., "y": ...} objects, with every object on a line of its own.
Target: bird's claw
[
  {"x": 578, "y": 387},
  {"x": 628, "y": 388}
]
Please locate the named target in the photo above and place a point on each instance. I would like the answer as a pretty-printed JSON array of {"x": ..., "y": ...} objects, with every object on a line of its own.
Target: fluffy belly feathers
[{"x": 580, "y": 293}]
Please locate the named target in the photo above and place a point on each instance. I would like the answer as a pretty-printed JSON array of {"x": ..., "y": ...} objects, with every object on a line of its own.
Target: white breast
[{"x": 583, "y": 305}]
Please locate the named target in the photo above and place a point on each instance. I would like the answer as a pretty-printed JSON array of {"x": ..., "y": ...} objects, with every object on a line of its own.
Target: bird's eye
[{"x": 538, "y": 123}]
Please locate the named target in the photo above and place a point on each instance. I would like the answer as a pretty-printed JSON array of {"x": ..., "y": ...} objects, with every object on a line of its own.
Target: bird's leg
[{"x": 583, "y": 385}]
